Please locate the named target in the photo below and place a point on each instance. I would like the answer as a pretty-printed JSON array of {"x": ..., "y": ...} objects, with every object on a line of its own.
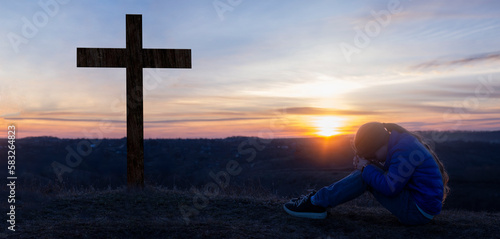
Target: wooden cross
[{"x": 134, "y": 58}]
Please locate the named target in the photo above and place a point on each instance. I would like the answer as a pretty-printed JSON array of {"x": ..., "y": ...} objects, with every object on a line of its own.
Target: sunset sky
[{"x": 259, "y": 67}]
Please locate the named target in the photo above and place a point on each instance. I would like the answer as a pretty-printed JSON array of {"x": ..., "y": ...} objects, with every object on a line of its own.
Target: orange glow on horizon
[
  {"x": 290, "y": 126},
  {"x": 327, "y": 126}
]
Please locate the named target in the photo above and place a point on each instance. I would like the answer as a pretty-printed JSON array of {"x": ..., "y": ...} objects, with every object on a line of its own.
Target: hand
[{"x": 359, "y": 162}]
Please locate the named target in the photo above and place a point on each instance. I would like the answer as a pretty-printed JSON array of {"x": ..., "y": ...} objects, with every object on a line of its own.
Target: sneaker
[{"x": 302, "y": 207}]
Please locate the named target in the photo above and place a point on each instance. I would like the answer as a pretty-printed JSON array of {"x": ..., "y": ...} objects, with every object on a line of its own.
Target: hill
[
  {"x": 284, "y": 167},
  {"x": 155, "y": 213}
]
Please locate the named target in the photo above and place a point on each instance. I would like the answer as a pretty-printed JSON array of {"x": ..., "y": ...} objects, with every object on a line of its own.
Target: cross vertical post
[
  {"x": 135, "y": 114},
  {"x": 134, "y": 58}
]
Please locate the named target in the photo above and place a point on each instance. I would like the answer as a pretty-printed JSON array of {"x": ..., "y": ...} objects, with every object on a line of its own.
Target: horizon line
[{"x": 244, "y": 136}]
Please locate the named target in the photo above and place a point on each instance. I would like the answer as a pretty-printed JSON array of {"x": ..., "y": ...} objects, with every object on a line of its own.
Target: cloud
[
  {"x": 147, "y": 122},
  {"x": 458, "y": 109},
  {"x": 10, "y": 114},
  {"x": 67, "y": 120},
  {"x": 478, "y": 58},
  {"x": 207, "y": 120},
  {"x": 493, "y": 120},
  {"x": 324, "y": 111},
  {"x": 444, "y": 94}
]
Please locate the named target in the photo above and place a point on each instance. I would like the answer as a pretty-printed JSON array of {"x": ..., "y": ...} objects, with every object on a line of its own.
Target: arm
[{"x": 391, "y": 182}]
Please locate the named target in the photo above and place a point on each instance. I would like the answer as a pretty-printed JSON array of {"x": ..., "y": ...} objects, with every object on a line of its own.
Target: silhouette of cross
[{"x": 134, "y": 58}]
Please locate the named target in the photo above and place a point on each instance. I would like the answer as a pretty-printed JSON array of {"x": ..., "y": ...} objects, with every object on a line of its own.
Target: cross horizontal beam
[
  {"x": 166, "y": 58},
  {"x": 117, "y": 57}
]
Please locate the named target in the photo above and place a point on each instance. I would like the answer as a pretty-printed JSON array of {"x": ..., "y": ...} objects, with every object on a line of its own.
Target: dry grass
[{"x": 154, "y": 213}]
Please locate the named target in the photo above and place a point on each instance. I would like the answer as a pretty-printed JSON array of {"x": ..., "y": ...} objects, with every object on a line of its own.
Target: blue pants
[{"x": 402, "y": 206}]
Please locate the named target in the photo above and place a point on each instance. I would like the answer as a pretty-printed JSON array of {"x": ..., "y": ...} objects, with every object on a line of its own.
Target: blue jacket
[{"x": 409, "y": 166}]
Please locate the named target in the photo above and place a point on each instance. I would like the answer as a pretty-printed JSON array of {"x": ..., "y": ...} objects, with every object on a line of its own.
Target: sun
[{"x": 327, "y": 125}]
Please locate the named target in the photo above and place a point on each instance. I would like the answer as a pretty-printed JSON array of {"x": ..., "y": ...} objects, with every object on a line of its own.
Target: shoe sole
[{"x": 310, "y": 215}]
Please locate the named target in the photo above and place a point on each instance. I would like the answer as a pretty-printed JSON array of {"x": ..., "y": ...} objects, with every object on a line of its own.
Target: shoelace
[{"x": 303, "y": 198}]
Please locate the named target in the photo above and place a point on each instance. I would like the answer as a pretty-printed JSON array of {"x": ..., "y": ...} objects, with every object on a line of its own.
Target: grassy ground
[{"x": 155, "y": 213}]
